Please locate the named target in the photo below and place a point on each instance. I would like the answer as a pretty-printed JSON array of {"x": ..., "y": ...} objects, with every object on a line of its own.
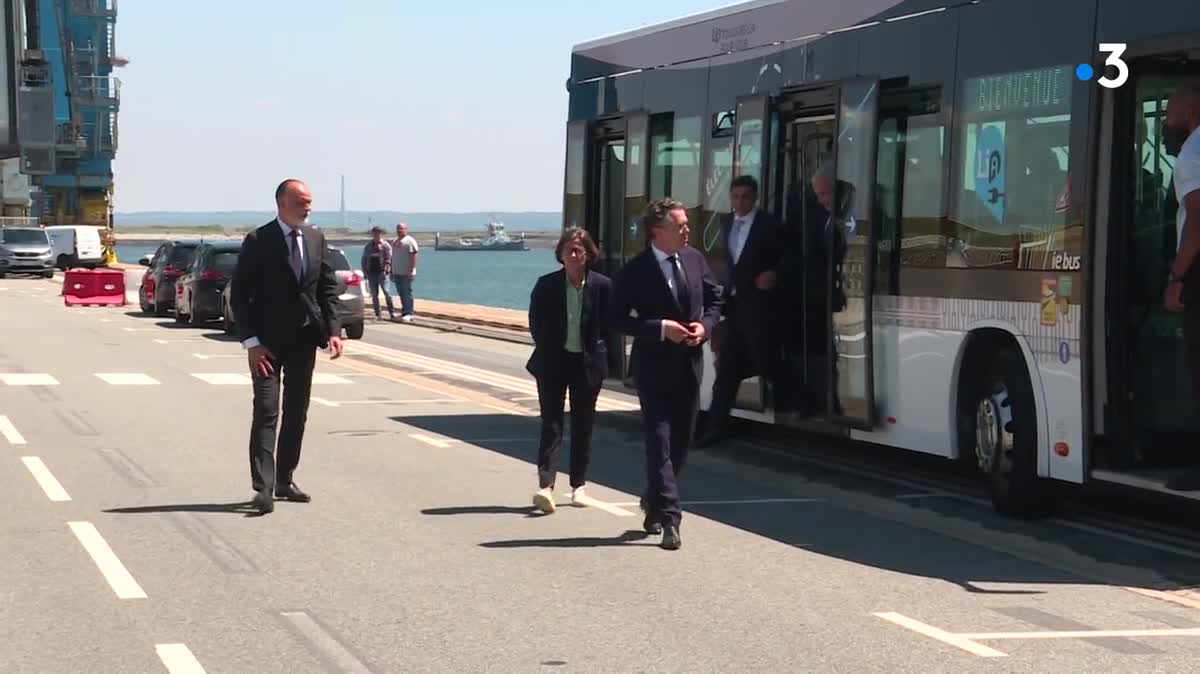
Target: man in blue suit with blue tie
[{"x": 668, "y": 300}]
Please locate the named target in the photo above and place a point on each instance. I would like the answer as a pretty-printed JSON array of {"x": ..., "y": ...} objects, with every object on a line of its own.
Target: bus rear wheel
[{"x": 1005, "y": 434}]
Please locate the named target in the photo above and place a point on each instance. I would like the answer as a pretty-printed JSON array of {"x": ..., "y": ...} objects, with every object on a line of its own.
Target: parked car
[
  {"x": 156, "y": 292},
  {"x": 351, "y": 303},
  {"x": 350, "y": 297},
  {"x": 200, "y": 291},
  {"x": 76, "y": 246},
  {"x": 25, "y": 250}
]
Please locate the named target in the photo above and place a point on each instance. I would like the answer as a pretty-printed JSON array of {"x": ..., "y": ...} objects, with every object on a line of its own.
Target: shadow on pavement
[
  {"x": 236, "y": 507},
  {"x": 485, "y": 510},
  {"x": 846, "y": 529},
  {"x": 579, "y": 542}
]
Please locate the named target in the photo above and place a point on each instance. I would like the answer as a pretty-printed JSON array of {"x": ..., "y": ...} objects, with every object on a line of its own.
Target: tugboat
[{"x": 496, "y": 239}]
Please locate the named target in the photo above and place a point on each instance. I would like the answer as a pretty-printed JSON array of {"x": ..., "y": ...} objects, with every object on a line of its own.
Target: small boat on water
[{"x": 496, "y": 239}]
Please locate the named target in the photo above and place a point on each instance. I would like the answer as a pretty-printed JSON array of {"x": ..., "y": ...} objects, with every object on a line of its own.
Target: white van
[{"x": 76, "y": 246}]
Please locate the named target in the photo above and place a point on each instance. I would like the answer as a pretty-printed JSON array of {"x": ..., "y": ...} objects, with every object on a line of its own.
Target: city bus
[{"x": 1002, "y": 229}]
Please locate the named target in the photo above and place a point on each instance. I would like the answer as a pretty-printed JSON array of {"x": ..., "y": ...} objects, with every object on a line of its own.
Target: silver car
[
  {"x": 349, "y": 291},
  {"x": 25, "y": 250}
]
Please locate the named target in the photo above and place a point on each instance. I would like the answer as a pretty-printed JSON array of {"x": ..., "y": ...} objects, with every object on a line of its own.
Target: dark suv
[
  {"x": 156, "y": 292},
  {"x": 198, "y": 293}
]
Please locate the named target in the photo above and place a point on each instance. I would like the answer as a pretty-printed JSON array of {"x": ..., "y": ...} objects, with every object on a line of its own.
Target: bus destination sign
[{"x": 1040, "y": 90}]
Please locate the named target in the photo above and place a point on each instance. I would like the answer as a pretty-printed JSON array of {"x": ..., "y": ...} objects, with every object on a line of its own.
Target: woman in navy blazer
[{"x": 568, "y": 312}]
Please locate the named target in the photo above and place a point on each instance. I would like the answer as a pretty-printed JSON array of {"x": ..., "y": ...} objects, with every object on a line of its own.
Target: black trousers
[
  {"x": 294, "y": 365},
  {"x": 570, "y": 377},
  {"x": 741, "y": 355},
  {"x": 668, "y": 421}
]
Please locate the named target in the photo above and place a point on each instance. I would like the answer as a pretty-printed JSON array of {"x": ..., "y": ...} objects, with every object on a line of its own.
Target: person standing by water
[
  {"x": 376, "y": 261},
  {"x": 568, "y": 312},
  {"x": 404, "y": 268}
]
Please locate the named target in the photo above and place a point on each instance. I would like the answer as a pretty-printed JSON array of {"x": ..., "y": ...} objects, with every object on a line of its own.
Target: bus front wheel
[{"x": 1005, "y": 433}]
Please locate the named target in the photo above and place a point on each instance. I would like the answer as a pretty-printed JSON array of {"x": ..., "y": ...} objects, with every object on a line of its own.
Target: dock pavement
[{"x": 129, "y": 545}]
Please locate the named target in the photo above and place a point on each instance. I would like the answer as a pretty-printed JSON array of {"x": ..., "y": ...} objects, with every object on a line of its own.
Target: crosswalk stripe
[
  {"x": 127, "y": 379},
  {"x": 27, "y": 379}
]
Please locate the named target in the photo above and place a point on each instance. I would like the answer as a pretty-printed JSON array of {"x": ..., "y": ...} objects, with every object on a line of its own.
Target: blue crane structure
[{"x": 67, "y": 104}]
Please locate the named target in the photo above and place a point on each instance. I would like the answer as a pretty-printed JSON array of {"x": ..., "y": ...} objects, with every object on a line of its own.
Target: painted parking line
[
  {"x": 45, "y": 479},
  {"x": 956, "y": 640},
  {"x": 10, "y": 432},
  {"x": 433, "y": 442},
  {"x": 178, "y": 659},
  {"x": 118, "y": 577},
  {"x": 412, "y": 401},
  {"x": 469, "y": 373},
  {"x": 969, "y": 641}
]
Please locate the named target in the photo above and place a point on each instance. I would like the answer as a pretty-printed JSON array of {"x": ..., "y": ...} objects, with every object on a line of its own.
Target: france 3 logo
[{"x": 1085, "y": 72}]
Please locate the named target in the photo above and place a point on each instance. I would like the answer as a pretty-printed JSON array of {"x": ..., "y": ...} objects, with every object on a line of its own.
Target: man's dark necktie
[
  {"x": 297, "y": 266},
  {"x": 681, "y": 288}
]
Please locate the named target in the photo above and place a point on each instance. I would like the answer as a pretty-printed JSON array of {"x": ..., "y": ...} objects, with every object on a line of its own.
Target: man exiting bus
[
  {"x": 1182, "y": 140},
  {"x": 748, "y": 334}
]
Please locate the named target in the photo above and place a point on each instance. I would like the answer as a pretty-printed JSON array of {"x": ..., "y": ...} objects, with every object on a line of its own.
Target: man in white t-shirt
[
  {"x": 1181, "y": 138},
  {"x": 404, "y": 268}
]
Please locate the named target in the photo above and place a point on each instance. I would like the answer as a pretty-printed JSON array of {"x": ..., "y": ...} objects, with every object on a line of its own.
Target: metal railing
[
  {"x": 17, "y": 221},
  {"x": 94, "y": 7},
  {"x": 100, "y": 88}
]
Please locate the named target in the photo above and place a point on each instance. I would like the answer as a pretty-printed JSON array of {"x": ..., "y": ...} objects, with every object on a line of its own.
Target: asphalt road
[{"x": 129, "y": 546}]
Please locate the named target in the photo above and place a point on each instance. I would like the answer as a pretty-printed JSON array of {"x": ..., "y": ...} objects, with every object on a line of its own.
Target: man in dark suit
[
  {"x": 284, "y": 294},
  {"x": 667, "y": 299},
  {"x": 568, "y": 317},
  {"x": 747, "y": 340}
]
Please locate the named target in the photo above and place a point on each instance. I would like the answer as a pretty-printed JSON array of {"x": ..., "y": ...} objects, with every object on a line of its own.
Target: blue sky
[{"x": 445, "y": 105}]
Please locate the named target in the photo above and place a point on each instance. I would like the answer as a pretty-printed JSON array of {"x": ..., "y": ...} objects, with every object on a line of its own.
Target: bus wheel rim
[{"x": 993, "y": 440}]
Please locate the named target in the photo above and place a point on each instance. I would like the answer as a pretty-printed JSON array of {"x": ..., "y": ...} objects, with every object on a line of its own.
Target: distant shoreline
[{"x": 144, "y": 235}]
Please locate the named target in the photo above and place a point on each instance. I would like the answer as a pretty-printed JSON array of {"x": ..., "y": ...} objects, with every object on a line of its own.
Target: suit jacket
[
  {"x": 268, "y": 302},
  {"x": 760, "y": 253},
  {"x": 548, "y": 325},
  {"x": 659, "y": 364}
]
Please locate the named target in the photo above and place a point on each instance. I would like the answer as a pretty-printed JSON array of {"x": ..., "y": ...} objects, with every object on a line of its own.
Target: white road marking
[
  {"x": 160, "y": 341},
  {"x": 142, "y": 330},
  {"x": 610, "y": 508},
  {"x": 956, "y": 640},
  {"x": 178, "y": 659},
  {"x": 428, "y": 440},
  {"x": 210, "y": 356},
  {"x": 27, "y": 379},
  {"x": 413, "y": 401},
  {"x": 45, "y": 479},
  {"x": 223, "y": 378},
  {"x": 326, "y": 378},
  {"x": 476, "y": 375},
  {"x": 744, "y": 501},
  {"x": 10, "y": 432},
  {"x": 127, "y": 379},
  {"x": 113, "y": 570},
  {"x": 1085, "y": 634}
]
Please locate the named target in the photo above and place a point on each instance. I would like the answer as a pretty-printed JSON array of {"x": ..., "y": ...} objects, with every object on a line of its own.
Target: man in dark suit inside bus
[
  {"x": 747, "y": 342},
  {"x": 668, "y": 300}
]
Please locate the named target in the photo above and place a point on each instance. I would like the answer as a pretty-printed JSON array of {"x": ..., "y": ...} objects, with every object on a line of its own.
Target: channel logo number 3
[{"x": 1114, "y": 50}]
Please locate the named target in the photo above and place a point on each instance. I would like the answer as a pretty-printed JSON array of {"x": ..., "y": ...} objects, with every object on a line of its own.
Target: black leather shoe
[
  {"x": 651, "y": 525},
  {"x": 263, "y": 502},
  {"x": 291, "y": 492},
  {"x": 670, "y": 539}
]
